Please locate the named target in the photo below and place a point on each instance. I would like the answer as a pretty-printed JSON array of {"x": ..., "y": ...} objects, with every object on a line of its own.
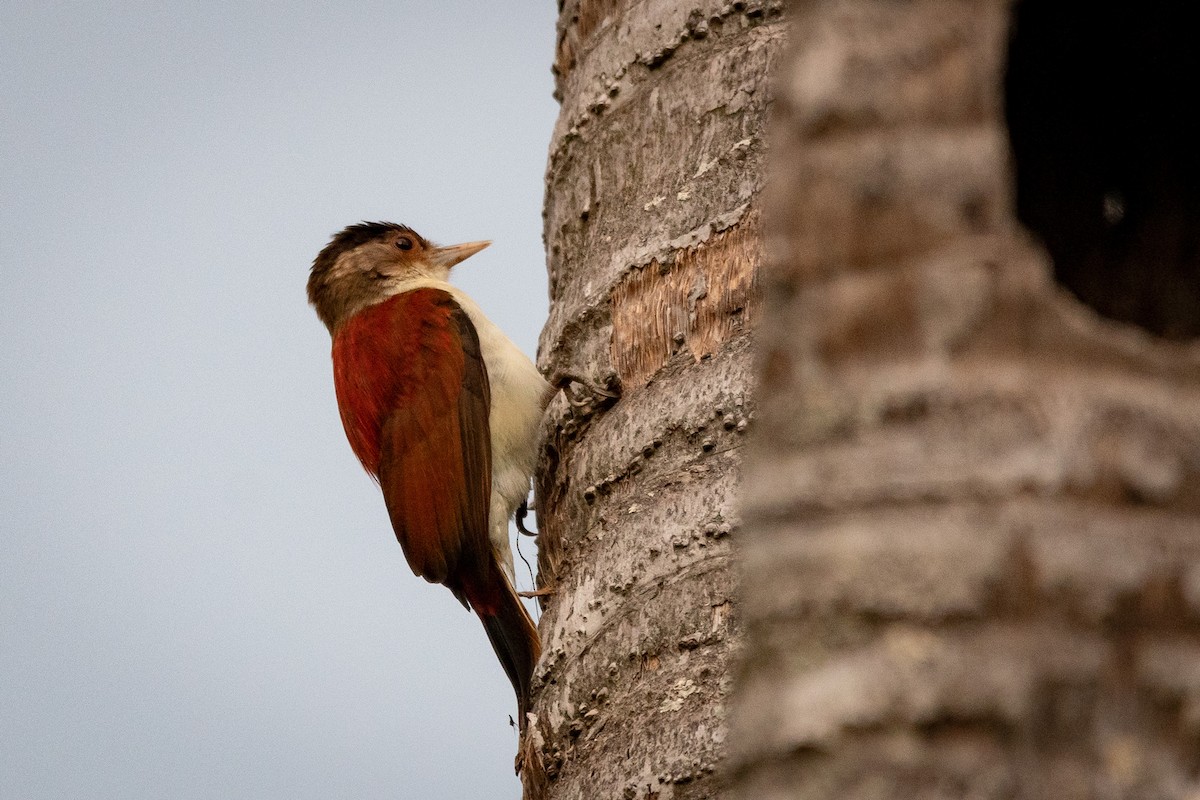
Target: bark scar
[{"x": 705, "y": 297}]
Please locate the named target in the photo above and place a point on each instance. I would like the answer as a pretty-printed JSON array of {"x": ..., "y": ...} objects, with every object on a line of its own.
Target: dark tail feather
[{"x": 514, "y": 637}]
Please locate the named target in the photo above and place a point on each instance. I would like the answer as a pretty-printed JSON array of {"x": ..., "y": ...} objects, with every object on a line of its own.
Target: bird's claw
[
  {"x": 565, "y": 379},
  {"x": 544, "y": 592},
  {"x": 577, "y": 402},
  {"x": 519, "y": 518}
]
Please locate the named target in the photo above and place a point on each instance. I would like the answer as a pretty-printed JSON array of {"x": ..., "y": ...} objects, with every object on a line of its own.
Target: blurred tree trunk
[
  {"x": 972, "y": 546},
  {"x": 652, "y": 234}
]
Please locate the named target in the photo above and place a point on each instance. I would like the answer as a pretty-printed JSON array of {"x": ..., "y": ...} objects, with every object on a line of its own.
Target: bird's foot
[
  {"x": 585, "y": 396},
  {"x": 519, "y": 518},
  {"x": 543, "y": 592}
]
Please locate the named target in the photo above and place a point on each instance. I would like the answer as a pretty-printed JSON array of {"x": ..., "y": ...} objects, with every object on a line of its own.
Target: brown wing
[
  {"x": 414, "y": 398},
  {"x": 435, "y": 444}
]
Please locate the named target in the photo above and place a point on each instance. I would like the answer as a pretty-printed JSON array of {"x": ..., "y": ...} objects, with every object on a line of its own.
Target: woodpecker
[{"x": 442, "y": 410}]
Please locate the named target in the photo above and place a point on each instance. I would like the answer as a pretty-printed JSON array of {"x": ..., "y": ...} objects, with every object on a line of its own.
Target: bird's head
[{"x": 369, "y": 262}]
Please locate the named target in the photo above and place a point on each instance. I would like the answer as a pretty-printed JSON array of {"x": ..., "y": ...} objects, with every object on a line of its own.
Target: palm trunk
[
  {"x": 652, "y": 220},
  {"x": 974, "y": 527}
]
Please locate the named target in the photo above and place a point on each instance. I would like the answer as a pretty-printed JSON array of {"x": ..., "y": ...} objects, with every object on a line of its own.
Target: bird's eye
[{"x": 404, "y": 243}]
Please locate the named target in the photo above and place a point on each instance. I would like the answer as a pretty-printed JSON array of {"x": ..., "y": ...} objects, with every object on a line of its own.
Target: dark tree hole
[{"x": 1103, "y": 103}]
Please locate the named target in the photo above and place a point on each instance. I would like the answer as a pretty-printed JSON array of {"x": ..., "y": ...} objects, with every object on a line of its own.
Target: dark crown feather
[{"x": 346, "y": 240}]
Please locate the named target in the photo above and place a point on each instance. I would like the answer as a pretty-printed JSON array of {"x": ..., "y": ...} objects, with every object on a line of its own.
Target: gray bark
[
  {"x": 973, "y": 532},
  {"x": 651, "y": 227}
]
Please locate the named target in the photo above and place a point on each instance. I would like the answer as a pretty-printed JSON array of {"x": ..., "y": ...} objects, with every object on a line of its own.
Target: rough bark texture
[
  {"x": 652, "y": 220},
  {"x": 972, "y": 545}
]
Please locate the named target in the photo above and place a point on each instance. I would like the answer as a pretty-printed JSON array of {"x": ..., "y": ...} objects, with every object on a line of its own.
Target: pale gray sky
[{"x": 200, "y": 594}]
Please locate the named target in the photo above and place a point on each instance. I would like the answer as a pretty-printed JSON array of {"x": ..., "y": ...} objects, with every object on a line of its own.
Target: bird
[{"x": 442, "y": 409}]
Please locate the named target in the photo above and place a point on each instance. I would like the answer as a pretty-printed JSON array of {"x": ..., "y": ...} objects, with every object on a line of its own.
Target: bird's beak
[{"x": 447, "y": 257}]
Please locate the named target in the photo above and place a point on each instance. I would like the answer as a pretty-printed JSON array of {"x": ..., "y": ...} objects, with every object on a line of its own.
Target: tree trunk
[
  {"x": 651, "y": 227},
  {"x": 972, "y": 563}
]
